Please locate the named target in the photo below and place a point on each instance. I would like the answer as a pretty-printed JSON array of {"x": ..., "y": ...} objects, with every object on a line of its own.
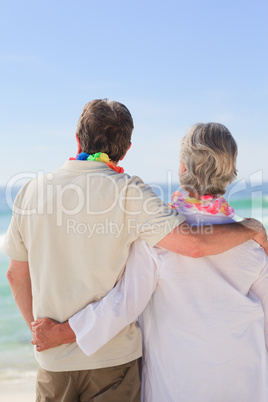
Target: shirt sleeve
[
  {"x": 152, "y": 217},
  {"x": 13, "y": 244},
  {"x": 99, "y": 322},
  {"x": 260, "y": 289}
]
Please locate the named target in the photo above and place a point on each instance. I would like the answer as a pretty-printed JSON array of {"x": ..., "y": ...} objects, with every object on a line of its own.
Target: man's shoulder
[
  {"x": 136, "y": 184},
  {"x": 35, "y": 187},
  {"x": 135, "y": 180},
  {"x": 26, "y": 188}
]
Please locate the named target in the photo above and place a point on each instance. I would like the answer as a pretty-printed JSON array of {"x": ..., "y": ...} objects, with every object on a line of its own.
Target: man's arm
[
  {"x": 99, "y": 322},
  {"x": 211, "y": 240},
  {"x": 48, "y": 333},
  {"x": 18, "y": 276}
]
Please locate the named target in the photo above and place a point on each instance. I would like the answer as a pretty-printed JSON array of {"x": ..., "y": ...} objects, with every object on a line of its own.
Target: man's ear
[
  {"x": 79, "y": 149},
  {"x": 126, "y": 151}
]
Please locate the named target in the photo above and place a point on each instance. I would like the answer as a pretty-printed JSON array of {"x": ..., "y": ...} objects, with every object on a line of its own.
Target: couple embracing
[{"x": 197, "y": 279}]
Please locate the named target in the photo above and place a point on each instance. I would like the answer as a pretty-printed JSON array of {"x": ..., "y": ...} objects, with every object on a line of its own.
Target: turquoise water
[{"x": 17, "y": 357}]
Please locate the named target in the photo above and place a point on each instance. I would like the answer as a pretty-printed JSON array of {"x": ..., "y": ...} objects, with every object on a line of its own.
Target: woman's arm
[
  {"x": 96, "y": 324},
  {"x": 260, "y": 289}
]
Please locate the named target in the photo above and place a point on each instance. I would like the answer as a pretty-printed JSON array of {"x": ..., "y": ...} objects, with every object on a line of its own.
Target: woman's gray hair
[{"x": 209, "y": 152}]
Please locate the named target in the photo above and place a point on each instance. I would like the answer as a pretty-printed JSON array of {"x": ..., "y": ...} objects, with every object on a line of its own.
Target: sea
[{"x": 249, "y": 199}]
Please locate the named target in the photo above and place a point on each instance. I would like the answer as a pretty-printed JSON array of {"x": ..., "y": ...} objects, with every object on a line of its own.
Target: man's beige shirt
[{"x": 75, "y": 227}]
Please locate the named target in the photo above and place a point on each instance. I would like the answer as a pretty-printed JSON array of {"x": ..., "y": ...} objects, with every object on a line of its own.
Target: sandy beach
[{"x": 18, "y": 390}]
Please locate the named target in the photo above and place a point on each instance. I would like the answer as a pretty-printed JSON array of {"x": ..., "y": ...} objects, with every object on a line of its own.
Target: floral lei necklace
[
  {"x": 99, "y": 157},
  {"x": 206, "y": 203}
]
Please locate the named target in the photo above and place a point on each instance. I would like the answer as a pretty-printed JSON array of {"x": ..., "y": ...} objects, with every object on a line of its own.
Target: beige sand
[{"x": 18, "y": 390}]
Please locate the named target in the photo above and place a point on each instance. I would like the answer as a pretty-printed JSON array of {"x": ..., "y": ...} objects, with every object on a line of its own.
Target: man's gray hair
[{"x": 209, "y": 152}]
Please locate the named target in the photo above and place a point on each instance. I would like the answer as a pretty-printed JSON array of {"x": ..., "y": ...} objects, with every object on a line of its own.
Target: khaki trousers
[{"x": 111, "y": 384}]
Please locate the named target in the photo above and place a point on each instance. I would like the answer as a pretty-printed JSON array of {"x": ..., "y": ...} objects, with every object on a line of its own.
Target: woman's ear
[{"x": 182, "y": 168}]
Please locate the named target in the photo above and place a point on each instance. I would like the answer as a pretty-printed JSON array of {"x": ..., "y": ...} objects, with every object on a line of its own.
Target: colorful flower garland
[
  {"x": 206, "y": 203},
  {"x": 99, "y": 157}
]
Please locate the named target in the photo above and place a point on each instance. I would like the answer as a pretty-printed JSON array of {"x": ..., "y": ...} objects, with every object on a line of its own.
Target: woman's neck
[{"x": 198, "y": 196}]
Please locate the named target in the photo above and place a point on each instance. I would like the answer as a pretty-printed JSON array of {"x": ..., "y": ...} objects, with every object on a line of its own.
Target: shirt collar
[{"x": 85, "y": 166}]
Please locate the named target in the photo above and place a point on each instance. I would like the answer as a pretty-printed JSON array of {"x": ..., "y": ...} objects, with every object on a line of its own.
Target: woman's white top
[{"x": 205, "y": 322}]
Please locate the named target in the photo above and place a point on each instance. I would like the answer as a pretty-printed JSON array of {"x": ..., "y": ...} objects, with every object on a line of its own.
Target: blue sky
[{"x": 172, "y": 63}]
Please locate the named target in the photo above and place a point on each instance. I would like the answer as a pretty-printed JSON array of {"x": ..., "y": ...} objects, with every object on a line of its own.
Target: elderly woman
[{"x": 205, "y": 326}]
